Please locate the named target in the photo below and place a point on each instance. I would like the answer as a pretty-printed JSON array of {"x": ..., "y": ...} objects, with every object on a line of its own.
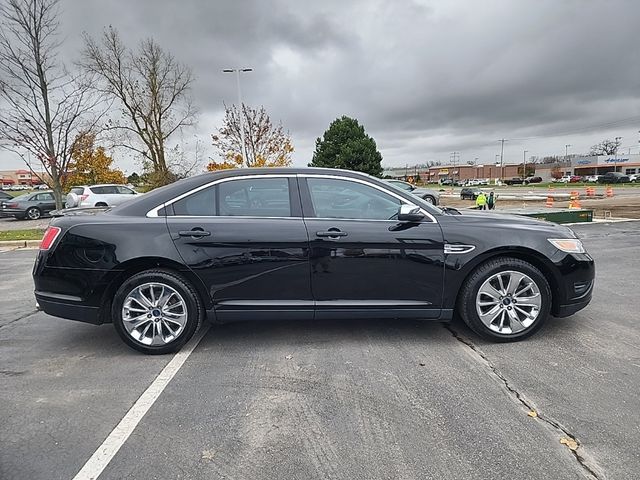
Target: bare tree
[
  {"x": 606, "y": 147},
  {"x": 43, "y": 106},
  {"x": 152, "y": 88},
  {"x": 266, "y": 144}
]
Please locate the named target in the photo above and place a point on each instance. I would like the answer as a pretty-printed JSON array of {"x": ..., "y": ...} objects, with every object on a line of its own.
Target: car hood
[{"x": 487, "y": 219}]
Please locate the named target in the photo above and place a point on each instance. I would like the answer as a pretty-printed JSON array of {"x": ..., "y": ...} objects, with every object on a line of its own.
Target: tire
[
  {"x": 33, "y": 213},
  {"x": 472, "y": 302},
  {"x": 429, "y": 199},
  {"x": 171, "y": 326}
]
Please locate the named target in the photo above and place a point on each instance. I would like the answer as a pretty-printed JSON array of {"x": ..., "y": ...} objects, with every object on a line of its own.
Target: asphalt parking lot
[{"x": 350, "y": 399}]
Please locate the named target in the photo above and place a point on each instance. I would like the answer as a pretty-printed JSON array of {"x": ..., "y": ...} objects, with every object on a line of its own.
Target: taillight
[
  {"x": 83, "y": 197},
  {"x": 11, "y": 205},
  {"x": 49, "y": 237}
]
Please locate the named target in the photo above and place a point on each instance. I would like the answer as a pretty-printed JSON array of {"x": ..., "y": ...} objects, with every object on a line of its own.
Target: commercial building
[
  {"x": 601, "y": 164},
  {"x": 21, "y": 177}
]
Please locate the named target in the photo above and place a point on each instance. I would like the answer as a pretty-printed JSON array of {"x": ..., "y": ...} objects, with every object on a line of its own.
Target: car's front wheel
[
  {"x": 156, "y": 311},
  {"x": 505, "y": 299},
  {"x": 429, "y": 199}
]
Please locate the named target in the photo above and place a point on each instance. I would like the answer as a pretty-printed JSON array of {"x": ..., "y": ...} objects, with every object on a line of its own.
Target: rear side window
[
  {"x": 255, "y": 197},
  {"x": 104, "y": 190},
  {"x": 124, "y": 190},
  {"x": 200, "y": 204}
]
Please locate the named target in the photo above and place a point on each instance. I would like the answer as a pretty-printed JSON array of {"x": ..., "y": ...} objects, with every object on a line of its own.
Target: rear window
[{"x": 77, "y": 190}]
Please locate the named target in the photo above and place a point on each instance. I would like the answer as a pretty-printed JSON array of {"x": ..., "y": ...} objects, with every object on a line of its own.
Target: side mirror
[{"x": 410, "y": 213}]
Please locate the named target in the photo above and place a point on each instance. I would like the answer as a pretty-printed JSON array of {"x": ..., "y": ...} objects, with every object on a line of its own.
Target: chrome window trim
[
  {"x": 154, "y": 211},
  {"x": 364, "y": 182}
]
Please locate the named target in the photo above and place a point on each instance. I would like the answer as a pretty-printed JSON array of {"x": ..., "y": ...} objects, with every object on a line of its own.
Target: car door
[
  {"x": 246, "y": 240},
  {"x": 44, "y": 201},
  {"x": 364, "y": 262}
]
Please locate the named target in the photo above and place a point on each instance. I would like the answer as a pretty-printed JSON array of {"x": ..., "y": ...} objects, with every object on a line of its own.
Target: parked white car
[
  {"x": 592, "y": 178},
  {"x": 634, "y": 177},
  {"x": 108, "y": 195}
]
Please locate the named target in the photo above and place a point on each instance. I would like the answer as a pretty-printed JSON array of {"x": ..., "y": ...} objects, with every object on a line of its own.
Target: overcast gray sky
[{"x": 424, "y": 77}]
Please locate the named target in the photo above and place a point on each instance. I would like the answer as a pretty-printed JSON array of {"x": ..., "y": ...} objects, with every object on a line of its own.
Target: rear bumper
[{"x": 65, "y": 307}]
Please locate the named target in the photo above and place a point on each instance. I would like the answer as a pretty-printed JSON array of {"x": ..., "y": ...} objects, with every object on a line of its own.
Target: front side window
[
  {"x": 335, "y": 198},
  {"x": 255, "y": 197}
]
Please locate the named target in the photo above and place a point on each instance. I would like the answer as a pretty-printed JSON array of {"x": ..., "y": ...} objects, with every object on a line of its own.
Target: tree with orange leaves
[
  {"x": 90, "y": 164},
  {"x": 266, "y": 144}
]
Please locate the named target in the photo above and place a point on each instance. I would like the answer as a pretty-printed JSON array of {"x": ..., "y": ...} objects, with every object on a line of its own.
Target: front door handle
[
  {"x": 331, "y": 234},
  {"x": 196, "y": 233}
]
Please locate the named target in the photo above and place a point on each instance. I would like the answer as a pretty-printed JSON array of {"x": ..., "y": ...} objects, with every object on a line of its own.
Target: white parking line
[{"x": 105, "y": 452}]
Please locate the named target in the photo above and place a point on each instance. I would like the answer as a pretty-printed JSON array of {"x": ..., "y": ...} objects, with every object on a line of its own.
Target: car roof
[{"x": 143, "y": 203}]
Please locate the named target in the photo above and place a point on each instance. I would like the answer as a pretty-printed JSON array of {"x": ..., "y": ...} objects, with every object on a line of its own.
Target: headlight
[{"x": 569, "y": 245}]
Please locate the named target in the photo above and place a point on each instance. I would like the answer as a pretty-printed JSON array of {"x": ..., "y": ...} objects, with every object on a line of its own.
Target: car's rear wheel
[
  {"x": 156, "y": 312},
  {"x": 505, "y": 299},
  {"x": 429, "y": 199},
  {"x": 33, "y": 213}
]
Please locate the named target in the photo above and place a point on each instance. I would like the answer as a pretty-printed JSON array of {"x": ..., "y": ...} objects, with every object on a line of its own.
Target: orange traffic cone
[
  {"x": 549, "y": 201},
  {"x": 609, "y": 191},
  {"x": 574, "y": 201},
  {"x": 591, "y": 191}
]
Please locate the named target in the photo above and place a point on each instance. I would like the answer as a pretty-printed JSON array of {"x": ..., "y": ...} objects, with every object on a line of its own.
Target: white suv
[{"x": 107, "y": 195}]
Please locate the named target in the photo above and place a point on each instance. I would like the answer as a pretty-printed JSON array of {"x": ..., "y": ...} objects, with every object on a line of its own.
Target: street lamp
[
  {"x": 237, "y": 71},
  {"x": 615, "y": 155}
]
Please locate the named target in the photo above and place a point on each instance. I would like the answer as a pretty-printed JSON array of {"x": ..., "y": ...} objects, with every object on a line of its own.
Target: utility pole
[
  {"x": 454, "y": 157},
  {"x": 524, "y": 165},
  {"x": 502, "y": 140},
  {"x": 243, "y": 148}
]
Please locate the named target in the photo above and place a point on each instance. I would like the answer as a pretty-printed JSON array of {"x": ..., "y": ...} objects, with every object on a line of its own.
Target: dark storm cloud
[{"x": 424, "y": 77}]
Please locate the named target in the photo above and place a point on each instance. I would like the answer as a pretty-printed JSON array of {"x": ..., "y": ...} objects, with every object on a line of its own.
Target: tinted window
[
  {"x": 256, "y": 197},
  {"x": 44, "y": 197},
  {"x": 104, "y": 190},
  {"x": 125, "y": 191},
  {"x": 202, "y": 203},
  {"x": 333, "y": 198},
  {"x": 78, "y": 190},
  {"x": 402, "y": 185}
]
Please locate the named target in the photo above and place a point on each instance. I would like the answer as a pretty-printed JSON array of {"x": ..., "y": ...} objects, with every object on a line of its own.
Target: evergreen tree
[{"x": 346, "y": 145}]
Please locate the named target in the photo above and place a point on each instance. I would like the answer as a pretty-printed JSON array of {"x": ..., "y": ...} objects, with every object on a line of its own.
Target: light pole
[
  {"x": 243, "y": 149},
  {"x": 524, "y": 165},
  {"x": 615, "y": 155}
]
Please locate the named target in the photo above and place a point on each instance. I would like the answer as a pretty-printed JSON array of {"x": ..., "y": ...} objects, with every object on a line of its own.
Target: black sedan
[
  {"x": 304, "y": 244},
  {"x": 30, "y": 206},
  {"x": 470, "y": 193}
]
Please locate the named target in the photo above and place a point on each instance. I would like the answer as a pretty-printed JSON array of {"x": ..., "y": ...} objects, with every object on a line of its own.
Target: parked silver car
[
  {"x": 427, "y": 194},
  {"x": 107, "y": 195},
  {"x": 29, "y": 206}
]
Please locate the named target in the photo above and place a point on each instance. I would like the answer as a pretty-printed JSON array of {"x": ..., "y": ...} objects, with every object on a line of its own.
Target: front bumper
[{"x": 575, "y": 284}]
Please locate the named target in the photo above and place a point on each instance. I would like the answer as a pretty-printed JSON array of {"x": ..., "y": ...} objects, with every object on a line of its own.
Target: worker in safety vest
[{"x": 481, "y": 201}]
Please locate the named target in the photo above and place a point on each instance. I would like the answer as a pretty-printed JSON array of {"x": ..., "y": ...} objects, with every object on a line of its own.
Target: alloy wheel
[
  {"x": 154, "y": 314},
  {"x": 33, "y": 214},
  {"x": 508, "y": 302}
]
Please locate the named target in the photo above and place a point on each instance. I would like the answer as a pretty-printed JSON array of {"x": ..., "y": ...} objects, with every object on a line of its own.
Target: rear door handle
[
  {"x": 194, "y": 233},
  {"x": 331, "y": 234}
]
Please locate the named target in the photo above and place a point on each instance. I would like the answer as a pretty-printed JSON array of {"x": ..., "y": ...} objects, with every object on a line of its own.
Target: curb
[{"x": 20, "y": 243}]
